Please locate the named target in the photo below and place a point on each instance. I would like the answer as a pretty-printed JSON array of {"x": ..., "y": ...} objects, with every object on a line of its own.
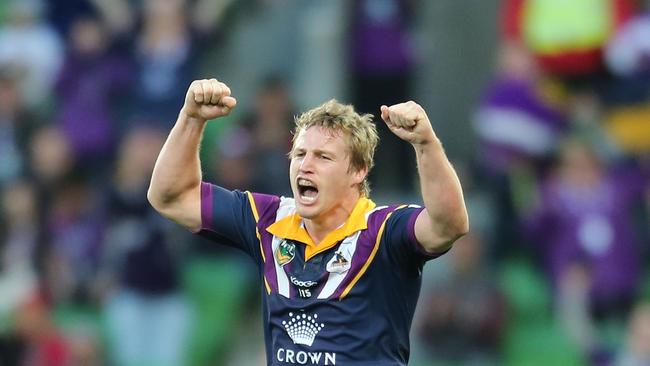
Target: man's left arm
[{"x": 444, "y": 218}]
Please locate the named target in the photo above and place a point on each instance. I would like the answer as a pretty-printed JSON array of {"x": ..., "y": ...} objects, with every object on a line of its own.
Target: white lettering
[
  {"x": 301, "y": 357},
  {"x": 315, "y": 358},
  {"x": 305, "y": 358},
  {"x": 304, "y": 292},
  {"x": 300, "y": 283},
  {"x": 330, "y": 357},
  {"x": 290, "y": 356}
]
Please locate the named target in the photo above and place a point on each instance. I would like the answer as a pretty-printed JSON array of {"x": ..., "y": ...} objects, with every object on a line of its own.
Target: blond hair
[{"x": 359, "y": 129}]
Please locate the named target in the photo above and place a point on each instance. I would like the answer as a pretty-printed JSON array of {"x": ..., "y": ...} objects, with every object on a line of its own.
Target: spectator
[
  {"x": 516, "y": 122},
  {"x": 518, "y": 128},
  {"x": 16, "y": 126},
  {"x": 51, "y": 159},
  {"x": 452, "y": 329},
  {"x": 165, "y": 53},
  {"x": 74, "y": 224},
  {"x": 148, "y": 317},
  {"x": 379, "y": 77},
  {"x": 587, "y": 242},
  {"x": 28, "y": 42},
  {"x": 91, "y": 78},
  {"x": 234, "y": 162},
  {"x": 270, "y": 123},
  {"x": 19, "y": 233}
]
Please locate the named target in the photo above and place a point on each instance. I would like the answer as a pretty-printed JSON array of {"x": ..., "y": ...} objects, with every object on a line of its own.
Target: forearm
[
  {"x": 441, "y": 192},
  {"x": 178, "y": 168}
]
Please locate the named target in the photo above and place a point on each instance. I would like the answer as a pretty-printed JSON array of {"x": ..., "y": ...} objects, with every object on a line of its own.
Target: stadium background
[{"x": 542, "y": 105}]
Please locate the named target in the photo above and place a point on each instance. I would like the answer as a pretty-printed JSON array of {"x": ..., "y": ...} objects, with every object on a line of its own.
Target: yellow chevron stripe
[
  {"x": 266, "y": 284},
  {"x": 370, "y": 259},
  {"x": 253, "y": 206},
  {"x": 257, "y": 219},
  {"x": 259, "y": 238}
]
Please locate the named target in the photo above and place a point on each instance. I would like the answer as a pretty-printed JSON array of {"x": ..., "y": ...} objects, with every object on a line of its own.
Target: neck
[{"x": 319, "y": 227}]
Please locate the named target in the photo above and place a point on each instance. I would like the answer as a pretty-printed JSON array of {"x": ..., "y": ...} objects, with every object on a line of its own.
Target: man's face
[{"x": 321, "y": 180}]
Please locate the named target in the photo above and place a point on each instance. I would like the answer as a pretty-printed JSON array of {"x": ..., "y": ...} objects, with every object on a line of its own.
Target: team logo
[
  {"x": 339, "y": 263},
  {"x": 300, "y": 283},
  {"x": 285, "y": 252},
  {"x": 302, "y": 328}
]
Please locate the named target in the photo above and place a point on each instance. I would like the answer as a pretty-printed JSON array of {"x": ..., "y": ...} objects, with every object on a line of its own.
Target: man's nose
[{"x": 307, "y": 163}]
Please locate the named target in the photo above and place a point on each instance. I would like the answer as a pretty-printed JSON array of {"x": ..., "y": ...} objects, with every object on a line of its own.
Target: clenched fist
[
  {"x": 409, "y": 122},
  {"x": 208, "y": 99}
]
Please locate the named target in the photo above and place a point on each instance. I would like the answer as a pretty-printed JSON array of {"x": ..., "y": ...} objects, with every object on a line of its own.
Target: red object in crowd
[
  {"x": 46, "y": 346},
  {"x": 568, "y": 62}
]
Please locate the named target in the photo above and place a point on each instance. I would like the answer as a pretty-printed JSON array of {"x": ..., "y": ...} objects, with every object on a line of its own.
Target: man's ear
[{"x": 359, "y": 175}]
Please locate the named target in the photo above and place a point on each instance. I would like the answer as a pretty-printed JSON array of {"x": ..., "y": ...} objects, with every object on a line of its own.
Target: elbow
[
  {"x": 157, "y": 200},
  {"x": 154, "y": 199},
  {"x": 163, "y": 205},
  {"x": 462, "y": 227},
  {"x": 458, "y": 228},
  {"x": 182, "y": 208}
]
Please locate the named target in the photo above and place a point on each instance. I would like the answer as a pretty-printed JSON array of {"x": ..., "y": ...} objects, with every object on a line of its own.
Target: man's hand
[
  {"x": 409, "y": 122},
  {"x": 208, "y": 99}
]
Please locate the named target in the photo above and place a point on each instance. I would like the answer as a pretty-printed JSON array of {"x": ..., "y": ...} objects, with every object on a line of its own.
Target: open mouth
[{"x": 307, "y": 190}]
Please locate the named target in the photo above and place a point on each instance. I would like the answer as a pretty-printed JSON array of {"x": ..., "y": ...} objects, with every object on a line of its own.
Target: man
[{"x": 341, "y": 276}]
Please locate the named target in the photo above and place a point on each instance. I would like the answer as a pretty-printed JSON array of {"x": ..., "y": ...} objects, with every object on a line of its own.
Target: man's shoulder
[
  {"x": 382, "y": 213},
  {"x": 268, "y": 207}
]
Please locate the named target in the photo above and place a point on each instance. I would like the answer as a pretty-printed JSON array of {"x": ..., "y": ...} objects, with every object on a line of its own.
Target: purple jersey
[
  {"x": 593, "y": 227},
  {"x": 348, "y": 301}
]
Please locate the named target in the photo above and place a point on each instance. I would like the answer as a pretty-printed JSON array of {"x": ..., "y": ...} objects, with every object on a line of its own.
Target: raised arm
[
  {"x": 445, "y": 217},
  {"x": 175, "y": 188}
]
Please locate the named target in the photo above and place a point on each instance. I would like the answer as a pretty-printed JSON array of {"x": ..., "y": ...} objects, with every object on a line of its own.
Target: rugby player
[{"x": 341, "y": 276}]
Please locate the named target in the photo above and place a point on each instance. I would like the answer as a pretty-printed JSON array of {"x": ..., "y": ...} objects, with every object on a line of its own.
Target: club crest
[
  {"x": 339, "y": 263},
  {"x": 285, "y": 252}
]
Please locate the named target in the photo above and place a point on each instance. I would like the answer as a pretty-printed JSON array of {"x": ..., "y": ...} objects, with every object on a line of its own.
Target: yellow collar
[{"x": 290, "y": 227}]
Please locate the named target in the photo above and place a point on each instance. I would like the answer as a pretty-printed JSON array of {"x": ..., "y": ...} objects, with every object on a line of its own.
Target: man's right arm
[{"x": 175, "y": 188}]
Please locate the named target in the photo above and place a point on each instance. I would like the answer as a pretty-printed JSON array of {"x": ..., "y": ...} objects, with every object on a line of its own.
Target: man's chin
[{"x": 305, "y": 212}]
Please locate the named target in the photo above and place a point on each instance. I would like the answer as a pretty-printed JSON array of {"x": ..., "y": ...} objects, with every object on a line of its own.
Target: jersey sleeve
[
  {"x": 229, "y": 218},
  {"x": 400, "y": 241}
]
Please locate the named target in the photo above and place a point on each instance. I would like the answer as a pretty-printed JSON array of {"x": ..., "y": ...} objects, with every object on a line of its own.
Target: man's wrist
[
  {"x": 184, "y": 115},
  {"x": 432, "y": 139}
]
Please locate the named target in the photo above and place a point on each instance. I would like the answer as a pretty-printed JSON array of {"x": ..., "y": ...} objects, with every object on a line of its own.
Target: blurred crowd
[{"x": 557, "y": 183}]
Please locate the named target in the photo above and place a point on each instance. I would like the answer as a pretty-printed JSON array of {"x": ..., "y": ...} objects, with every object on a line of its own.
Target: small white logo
[
  {"x": 303, "y": 328},
  {"x": 339, "y": 263},
  {"x": 300, "y": 283}
]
